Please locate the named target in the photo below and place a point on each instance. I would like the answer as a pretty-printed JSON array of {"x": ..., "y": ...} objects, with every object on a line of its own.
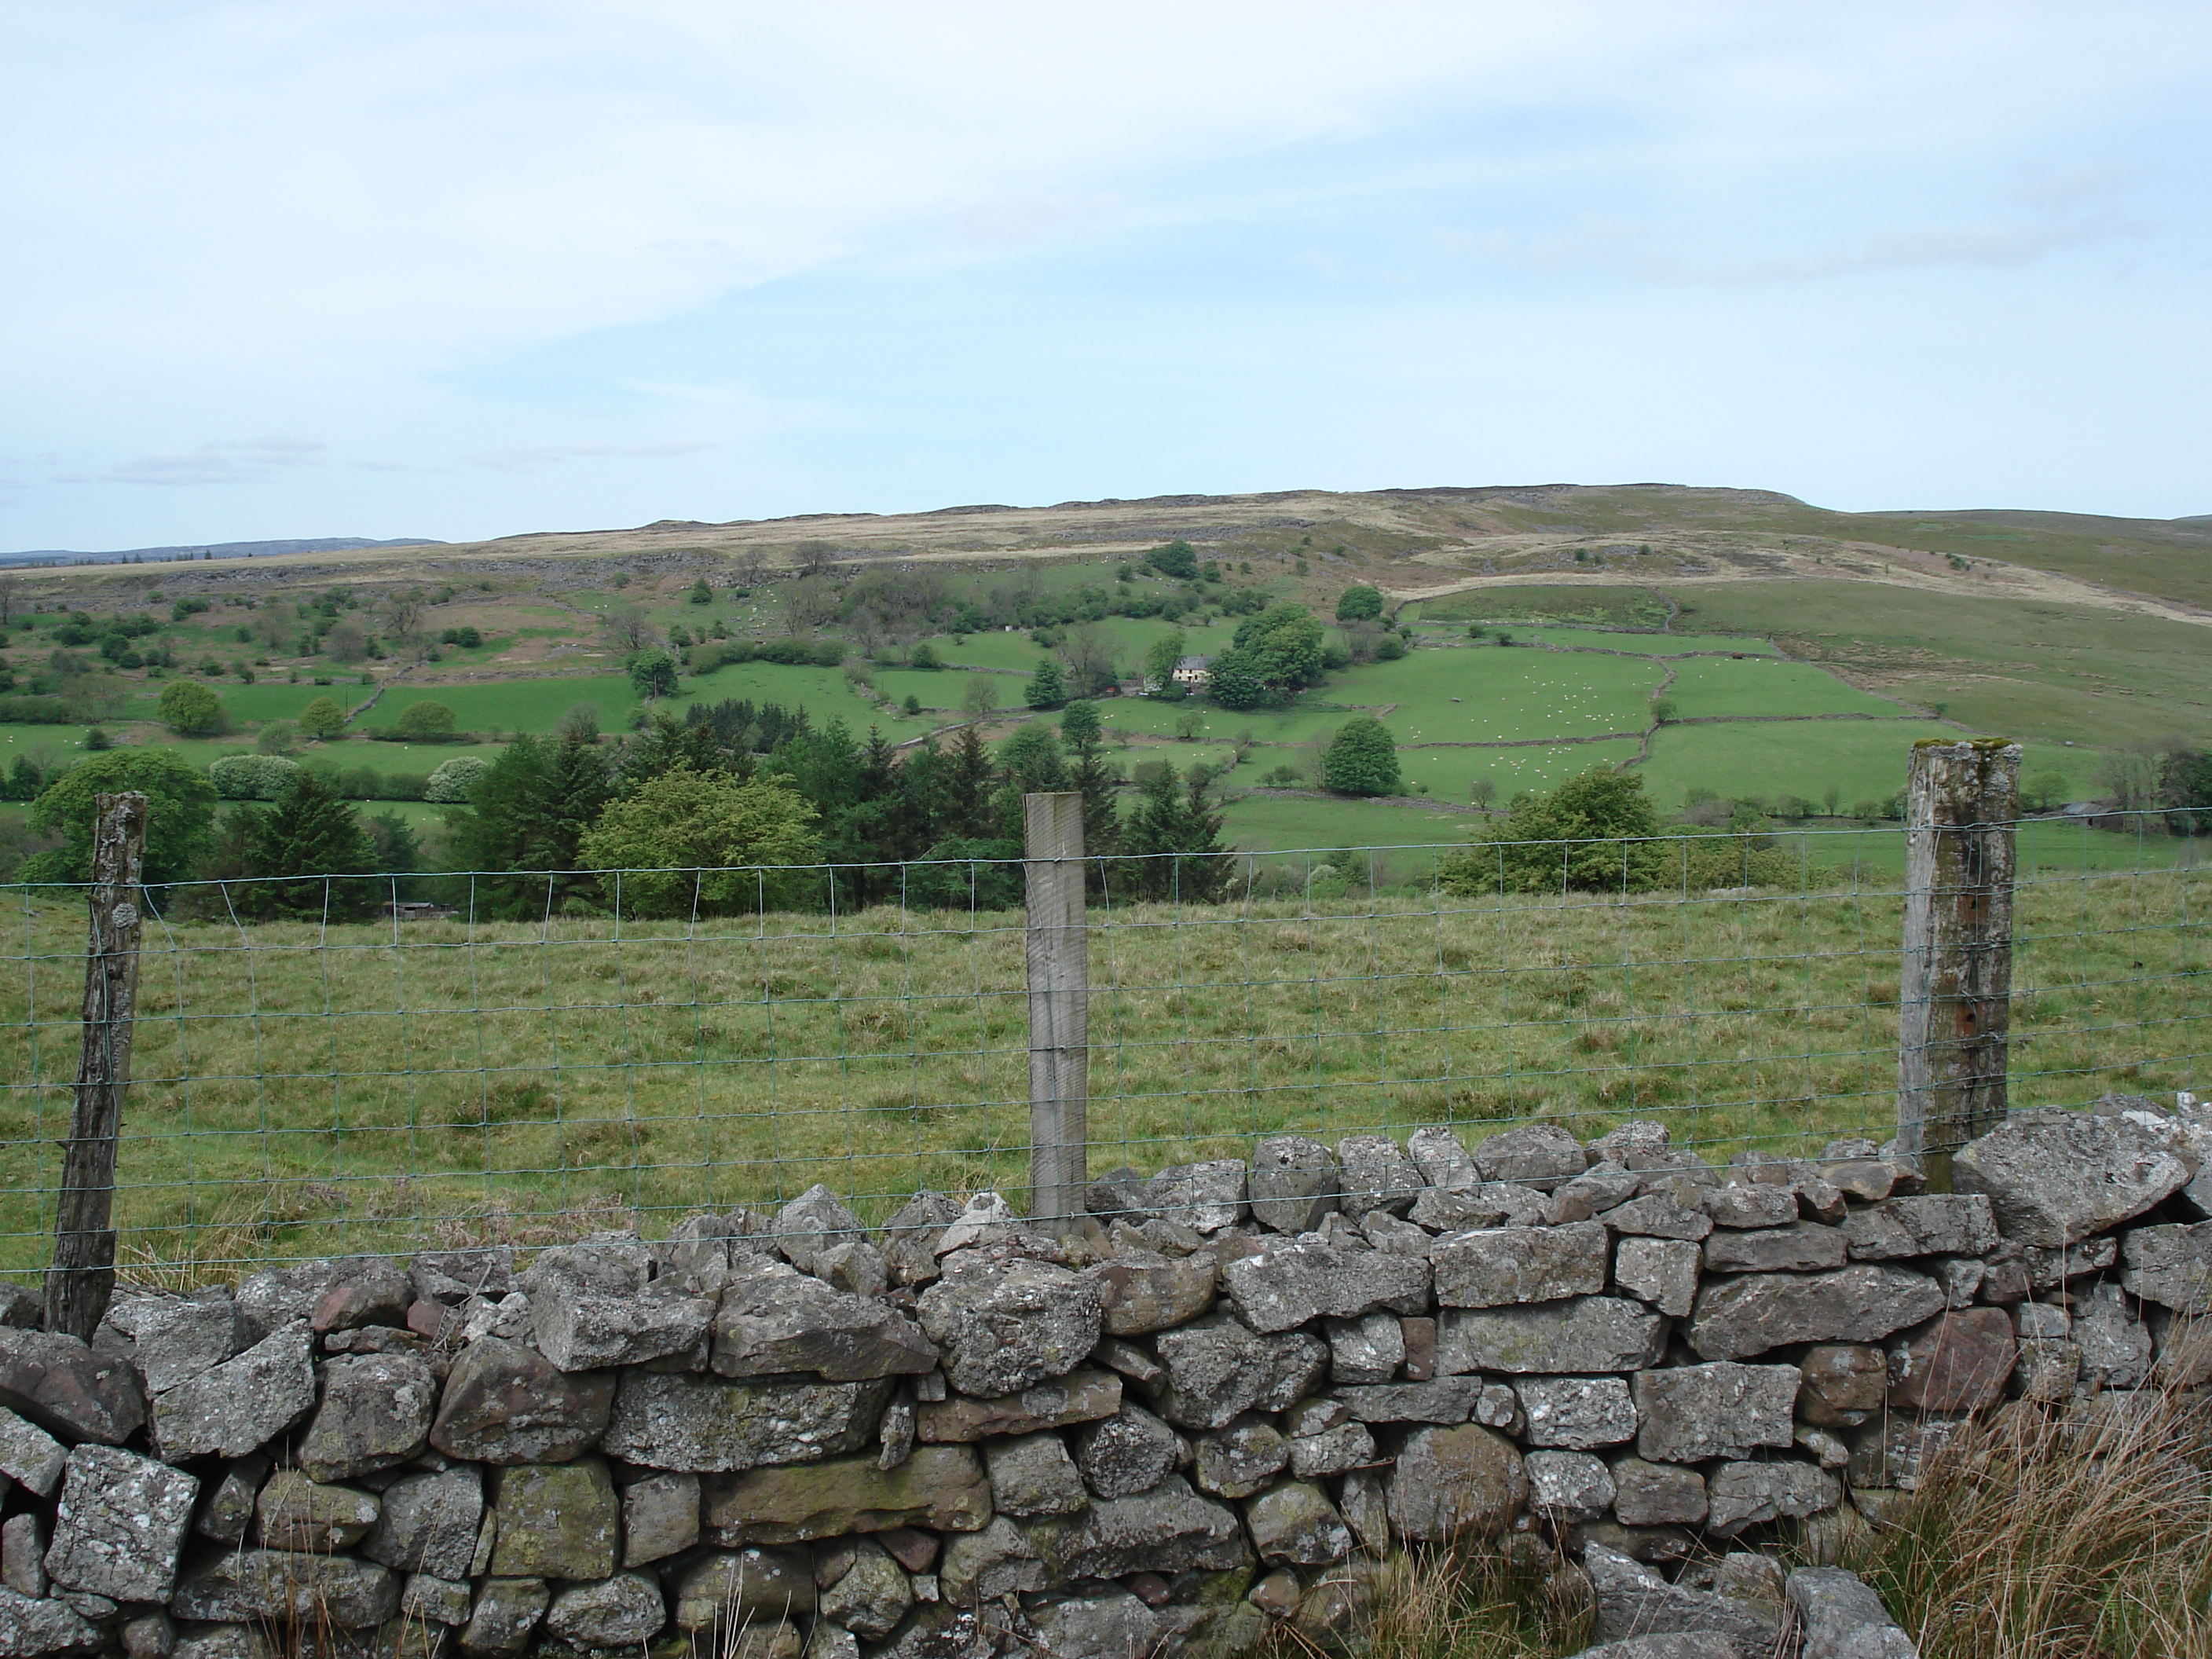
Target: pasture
[{"x": 303, "y": 1090}]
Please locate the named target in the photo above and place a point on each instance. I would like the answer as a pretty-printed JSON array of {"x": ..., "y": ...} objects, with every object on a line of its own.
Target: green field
[
  {"x": 1450, "y": 773},
  {"x": 1764, "y": 685},
  {"x": 307, "y": 1090},
  {"x": 1503, "y": 695}
]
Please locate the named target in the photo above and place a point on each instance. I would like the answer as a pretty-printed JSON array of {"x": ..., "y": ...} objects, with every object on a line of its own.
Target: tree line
[{"x": 734, "y": 807}]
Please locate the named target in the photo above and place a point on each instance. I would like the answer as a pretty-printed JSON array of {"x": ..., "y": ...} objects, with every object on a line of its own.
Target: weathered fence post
[
  {"x": 83, "y": 1272},
  {"x": 1060, "y": 1006},
  {"x": 1955, "y": 1005}
]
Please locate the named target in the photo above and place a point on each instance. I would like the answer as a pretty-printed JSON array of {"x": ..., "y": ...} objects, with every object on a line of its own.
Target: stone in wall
[
  {"x": 506, "y": 1403},
  {"x": 1006, "y": 1323},
  {"x": 1218, "y": 1367},
  {"x": 774, "y": 1320},
  {"x": 2055, "y": 1177},
  {"x": 1588, "y": 1334},
  {"x": 940, "y": 1487},
  {"x": 1294, "y": 1282},
  {"x": 1449, "y": 1483},
  {"x": 1741, "y": 1318},
  {"x": 673, "y": 1421}
]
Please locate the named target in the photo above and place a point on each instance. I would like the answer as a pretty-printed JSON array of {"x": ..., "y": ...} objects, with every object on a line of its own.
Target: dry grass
[
  {"x": 2046, "y": 1534},
  {"x": 302, "y": 1091},
  {"x": 1469, "y": 1602}
]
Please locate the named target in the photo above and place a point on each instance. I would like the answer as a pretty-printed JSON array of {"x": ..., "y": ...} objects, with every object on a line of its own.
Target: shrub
[
  {"x": 251, "y": 777},
  {"x": 425, "y": 722},
  {"x": 190, "y": 710},
  {"x": 1360, "y": 603},
  {"x": 1178, "y": 559},
  {"x": 1597, "y": 832},
  {"x": 467, "y": 638},
  {"x": 407, "y": 786},
  {"x": 925, "y": 658},
  {"x": 34, "y": 711},
  {"x": 453, "y": 778}
]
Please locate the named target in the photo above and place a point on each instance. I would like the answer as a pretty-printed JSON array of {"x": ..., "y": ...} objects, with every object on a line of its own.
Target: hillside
[{"x": 1802, "y": 649}]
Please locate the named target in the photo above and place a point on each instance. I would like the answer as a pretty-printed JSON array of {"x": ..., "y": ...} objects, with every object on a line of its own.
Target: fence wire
[{"x": 321, "y": 1086}]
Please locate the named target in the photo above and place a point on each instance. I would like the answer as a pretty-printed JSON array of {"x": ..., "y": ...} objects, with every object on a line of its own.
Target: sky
[{"x": 462, "y": 270}]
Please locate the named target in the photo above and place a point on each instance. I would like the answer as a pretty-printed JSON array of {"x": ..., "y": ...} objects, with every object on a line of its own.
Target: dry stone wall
[{"x": 1213, "y": 1406}]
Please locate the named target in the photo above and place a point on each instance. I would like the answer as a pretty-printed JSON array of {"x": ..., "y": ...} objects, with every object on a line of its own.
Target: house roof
[{"x": 1191, "y": 662}]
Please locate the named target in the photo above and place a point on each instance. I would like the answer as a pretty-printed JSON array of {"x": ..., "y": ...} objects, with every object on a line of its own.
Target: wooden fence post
[
  {"x": 83, "y": 1272},
  {"x": 1955, "y": 1005},
  {"x": 1060, "y": 1006}
]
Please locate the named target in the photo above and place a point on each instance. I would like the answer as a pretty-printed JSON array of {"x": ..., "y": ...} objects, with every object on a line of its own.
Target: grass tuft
[{"x": 2078, "y": 1532}]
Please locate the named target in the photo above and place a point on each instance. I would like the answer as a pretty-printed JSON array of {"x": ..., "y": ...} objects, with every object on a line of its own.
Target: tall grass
[
  {"x": 1462, "y": 1602},
  {"x": 2056, "y": 1534},
  {"x": 302, "y": 1090}
]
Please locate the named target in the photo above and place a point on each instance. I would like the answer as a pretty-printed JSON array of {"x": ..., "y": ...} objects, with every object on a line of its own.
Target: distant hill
[{"x": 215, "y": 549}]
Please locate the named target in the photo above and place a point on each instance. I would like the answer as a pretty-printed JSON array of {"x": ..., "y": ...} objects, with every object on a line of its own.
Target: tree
[
  {"x": 294, "y": 848},
  {"x": 700, "y": 593},
  {"x": 1093, "y": 777},
  {"x": 1482, "y": 792},
  {"x": 979, "y": 697},
  {"x": 1046, "y": 689},
  {"x": 814, "y": 558},
  {"x": 1080, "y": 726},
  {"x": 2042, "y": 792},
  {"x": 694, "y": 839},
  {"x": 425, "y": 721},
  {"x": 403, "y": 618},
  {"x": 1598, "y": 833},
  {"x": 1088, "y": 651},
  {"x": 1190, "y": 725},
  {"x": 925, "y": 658},
  {"x": 1234, "y": 681},
  {"x": 1362, "y": 760},
  {"x": 807, "y": 604},
  {"x": 528, "y": 812},
  {"x": 190, "y": 710},
  {"x": 629, "y": 628},
  {"x": 1283, "y": 647},
  {"x": 1032, "y": 760},
  {"x": 653, "y": 672},
  {"x": 1178, "y": 559},
  {"x": 179, "y": 814},
  {"x": 1160, "y": 660},
  {"x": 1171, "y": 842},
  {"x": 347, "y": 642},
  {"x": 278, "y": 738},
  {"x": 1663, "y": 711},
  {"x": 1360, "y": 603},
  {"x": 321, "y": 719}
]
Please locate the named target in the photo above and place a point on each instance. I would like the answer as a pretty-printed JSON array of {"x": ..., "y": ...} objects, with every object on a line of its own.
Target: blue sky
[{"x": 465, "y": 270}]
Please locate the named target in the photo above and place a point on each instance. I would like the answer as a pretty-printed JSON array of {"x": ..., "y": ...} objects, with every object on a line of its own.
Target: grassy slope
[{"x": 509, "y": 1073}]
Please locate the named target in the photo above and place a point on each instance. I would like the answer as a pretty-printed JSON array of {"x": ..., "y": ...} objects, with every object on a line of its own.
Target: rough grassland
[{"x": 304, "y": 1090}]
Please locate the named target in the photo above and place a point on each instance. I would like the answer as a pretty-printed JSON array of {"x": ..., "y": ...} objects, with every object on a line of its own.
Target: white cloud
[
  {"x": 529, "y": 457},
  {"x": 222, "y": 461}
]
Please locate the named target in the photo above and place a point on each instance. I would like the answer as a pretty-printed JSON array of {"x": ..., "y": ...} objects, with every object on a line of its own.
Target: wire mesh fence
[{"x": 431, "y": 1075}]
